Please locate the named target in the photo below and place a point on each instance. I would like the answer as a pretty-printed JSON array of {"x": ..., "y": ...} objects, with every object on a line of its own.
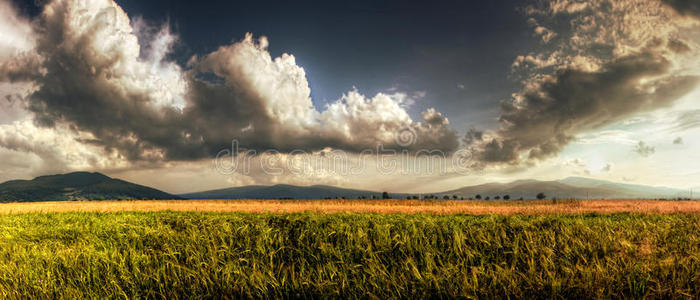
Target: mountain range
[
  {"x": 280, "y": 191},
  {"x": 572, "y": 187},
  {"x": 96, "y": 186},
  {"x": 76, "y": 186}
]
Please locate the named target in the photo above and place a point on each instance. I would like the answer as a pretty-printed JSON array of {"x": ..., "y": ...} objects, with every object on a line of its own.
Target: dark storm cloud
[
  {"x": 24, "y": 67},
  {"x": 548, "y": 115},
  {"x": 472, "y": 137},
  {"x": 94, "y": 78},
  {"x": 685, "y": 7},
  {"x": 612, "y": 59},
  {"x": 678, "y": 46}
]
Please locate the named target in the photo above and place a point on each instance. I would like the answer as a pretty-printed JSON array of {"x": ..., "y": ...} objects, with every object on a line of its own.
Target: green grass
[{"x": 204, "y": 255}]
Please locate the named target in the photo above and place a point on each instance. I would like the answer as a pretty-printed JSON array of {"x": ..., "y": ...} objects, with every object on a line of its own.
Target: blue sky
[
  {"x": 549, "y": 89},
  {"x": 453, "y": 51}
]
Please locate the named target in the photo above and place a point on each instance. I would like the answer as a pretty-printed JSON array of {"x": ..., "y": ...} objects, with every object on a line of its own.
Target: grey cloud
[
  {"x": 94, "y": 78},
  {"x": 546, "y": 116},
  {"x": 644, "y": 150},
  {"x": 684, "y": 7},
  {"x": 613, "y": 60},
  {"x": 499, "y": 151},
  {"x": 45, "y": 149},
  {"x": 678, "y": 46},
  {"x": 21, "y": 68},
  {"x": 11, "y": 108},
  {"x": 687, "y": 120},
  {"x": 472, "y": 137}
]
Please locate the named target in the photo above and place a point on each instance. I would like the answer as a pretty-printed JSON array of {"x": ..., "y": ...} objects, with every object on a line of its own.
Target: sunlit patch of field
[{"x": 365, "y": 206}]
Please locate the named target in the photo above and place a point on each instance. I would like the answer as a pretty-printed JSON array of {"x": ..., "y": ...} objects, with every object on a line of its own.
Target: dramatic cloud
[
  {"x": 685, "y": 7},
  {"x": 614, "y": 59},
  {"x": 26, "y": 148},
  {"x": 91, "y": 74},
  {"x": 16, "y": 62},
  {"x": 547, "y": 115},
  {"x": 644, "y": 150}
]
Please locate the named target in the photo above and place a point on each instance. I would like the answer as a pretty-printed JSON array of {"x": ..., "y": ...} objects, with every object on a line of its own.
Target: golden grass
[{"x": 364, "y": 206}]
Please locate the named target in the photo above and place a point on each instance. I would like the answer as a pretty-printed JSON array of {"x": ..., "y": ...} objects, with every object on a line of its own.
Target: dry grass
[{"x": 364, "y": 206}]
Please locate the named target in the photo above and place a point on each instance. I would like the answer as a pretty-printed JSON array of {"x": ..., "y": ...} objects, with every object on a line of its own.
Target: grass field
[
  {"x": 364, "y": 206},
  {"x": 653, "y": 253}
]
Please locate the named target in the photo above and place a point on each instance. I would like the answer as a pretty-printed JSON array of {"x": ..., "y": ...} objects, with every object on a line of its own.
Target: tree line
[{"x": 386, "y": 195}]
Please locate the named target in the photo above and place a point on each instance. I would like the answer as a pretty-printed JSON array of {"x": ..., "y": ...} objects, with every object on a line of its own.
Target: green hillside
[{"x": 76, "y": 186}]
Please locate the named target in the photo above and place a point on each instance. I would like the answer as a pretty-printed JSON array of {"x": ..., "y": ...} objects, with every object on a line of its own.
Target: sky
[{"x": 381, "y": 95}]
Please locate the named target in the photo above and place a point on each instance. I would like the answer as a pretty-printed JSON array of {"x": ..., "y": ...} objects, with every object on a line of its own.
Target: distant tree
[
  {"x": 385, "y": 195},
  {"x": 521, "y": 199},
  {"x": 374, "y": 197},
  {"x": 461, "y": 198},
  {"x": 454, "y": 197},
  {"x": 487, "y": 198},
  {"x": 415, "y": 197},
  {"x": 506, "y": 197},
  {"x": 497, "y": 197},
  {"x": 478, "y": 197},
  {"x": 446, "y": 197},
  {"x": 541, "y": 196}
]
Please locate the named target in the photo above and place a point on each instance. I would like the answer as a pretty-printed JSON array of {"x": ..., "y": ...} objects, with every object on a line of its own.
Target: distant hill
[
  {"x": 76, "y": 186},
  {"x": 631, "y": 190},
  {"x": 282, "y": 191},
  {"x": 572, "y": 187}
]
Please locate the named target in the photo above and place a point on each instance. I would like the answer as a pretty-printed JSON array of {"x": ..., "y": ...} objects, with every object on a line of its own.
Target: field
[
  {"x": 285, "y": 249},
  {"x": 364, "y": 206}
]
